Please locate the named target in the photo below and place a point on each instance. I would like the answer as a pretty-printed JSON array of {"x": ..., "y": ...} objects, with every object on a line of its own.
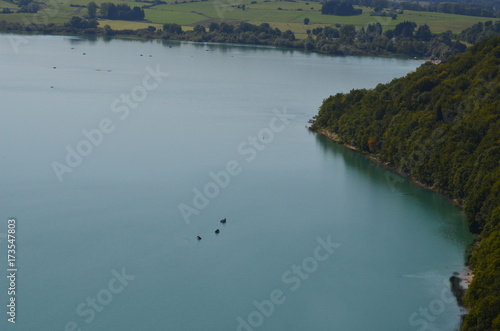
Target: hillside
[{"x": 441, "y": 126}]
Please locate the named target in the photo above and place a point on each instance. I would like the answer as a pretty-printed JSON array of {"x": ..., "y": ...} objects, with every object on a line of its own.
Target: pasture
[{"x": 281, "y": 14}]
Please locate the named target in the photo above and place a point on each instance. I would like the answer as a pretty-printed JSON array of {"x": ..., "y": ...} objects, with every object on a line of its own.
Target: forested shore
[
  {"x": 441, "y": 127},
  {"x": 406, "y": 39}
]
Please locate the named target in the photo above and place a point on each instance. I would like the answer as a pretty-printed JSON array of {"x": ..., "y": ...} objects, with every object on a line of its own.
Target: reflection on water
[
  {"x": 454, "y": 228},
  {"x": 119, "y": 208}
]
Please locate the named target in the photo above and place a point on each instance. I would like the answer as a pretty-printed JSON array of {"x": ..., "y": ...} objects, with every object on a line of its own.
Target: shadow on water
[
  {"x": 91, "y": 40},
  {"x": 227, "y": 47},
  {"x": 454, "y": 221},
  {"x": 220, "y": 47}
]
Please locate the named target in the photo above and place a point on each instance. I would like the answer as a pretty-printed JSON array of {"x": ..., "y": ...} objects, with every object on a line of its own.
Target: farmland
[{"x": 285, "y": 15}]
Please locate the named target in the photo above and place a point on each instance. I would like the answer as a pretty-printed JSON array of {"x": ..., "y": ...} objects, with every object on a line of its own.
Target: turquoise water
[{"x": 112, "y": 163}]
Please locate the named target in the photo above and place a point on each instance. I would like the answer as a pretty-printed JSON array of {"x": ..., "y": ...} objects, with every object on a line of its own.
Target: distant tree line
[
  {"x": 480, "y": 31},
  {"x": 121, "y": 11},
  {"x": 107, "y": 10},
  {"x": 28, "y": 6},
  {"x": 339, "y": 8},
  {"x": 483, "y": 4},
  {"x": 472, "y": 8},
  {"x": 111, "y": 11},
  {"x": 406, "y": 39},
  {"x": 25, "y": 6},
  {"x": 79, "y": 23}
]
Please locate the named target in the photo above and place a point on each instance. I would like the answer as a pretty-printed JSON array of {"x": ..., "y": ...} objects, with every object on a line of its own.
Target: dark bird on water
[
  {"x": 223, "y": 221},
  {"x": 198, "y": 237},
  {"x": 217, "y": 231}
]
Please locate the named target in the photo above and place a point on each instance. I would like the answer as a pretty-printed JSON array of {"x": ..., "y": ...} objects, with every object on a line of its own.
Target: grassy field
[
  {"x": 5, "y": 4},
  {"x": 281, "y": 14}
]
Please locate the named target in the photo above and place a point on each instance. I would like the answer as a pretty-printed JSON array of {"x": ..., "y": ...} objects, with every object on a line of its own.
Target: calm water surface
[{"x": 317, "y": 237}]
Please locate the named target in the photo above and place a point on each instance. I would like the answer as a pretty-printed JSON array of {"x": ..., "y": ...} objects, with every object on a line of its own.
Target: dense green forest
[
  {"x": 480, "y": 31},
  {"x": 441, "y": 126}
]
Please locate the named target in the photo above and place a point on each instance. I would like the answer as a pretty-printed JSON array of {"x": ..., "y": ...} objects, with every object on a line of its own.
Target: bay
[{"x": 218, "y": 131}]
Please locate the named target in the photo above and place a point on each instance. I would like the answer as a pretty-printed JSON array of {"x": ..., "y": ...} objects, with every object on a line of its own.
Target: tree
[
  {"x": 441, "y": 125},
  {"x": 77, "y": 22},
  {"x": 331, "y": 32},
  {"x": 108, "y": 10},
  {"x": 347, "y": 32},
  {"x": 213, "y": 27},
  {"x": 91, "y": 10},
  {"x": 226, "y": 28},
  {"x": 288, "y": 34},
  {"x": 306, "y": 21},
  {"x": 405, "y": 29},
  {"x": 379, "y": 5},
  {"x": 29, "y": 7},
  {"x": 137, "y": 14},
  {"x": 121, "y": 12},
  {"x": 317, "y": 31},
  {"x": 340, "y": 8},
  {"x": 199, "y": 29},
  {"x": 108, "y": 31},
  {"x": 172, "y": 28},
  {"x": 309, "y": 44},
  {"x": 423, "y": 33}
]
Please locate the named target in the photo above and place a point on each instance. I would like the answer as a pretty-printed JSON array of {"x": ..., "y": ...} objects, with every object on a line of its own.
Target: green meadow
[{"x": 281, "y": 14}]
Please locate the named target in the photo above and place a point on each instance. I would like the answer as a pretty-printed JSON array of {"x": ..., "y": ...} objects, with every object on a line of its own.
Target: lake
[{"x": 116, "y": 154}]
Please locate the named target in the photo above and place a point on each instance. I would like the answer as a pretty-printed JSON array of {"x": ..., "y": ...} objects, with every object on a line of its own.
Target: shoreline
[
  {"x": 334, "y": 137},
  {"x": 466, "y": 277},
  {"x": 422, "y": 60},
  {"x": 463, "y": 277},
  {"x": 136, "y": 35}
]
